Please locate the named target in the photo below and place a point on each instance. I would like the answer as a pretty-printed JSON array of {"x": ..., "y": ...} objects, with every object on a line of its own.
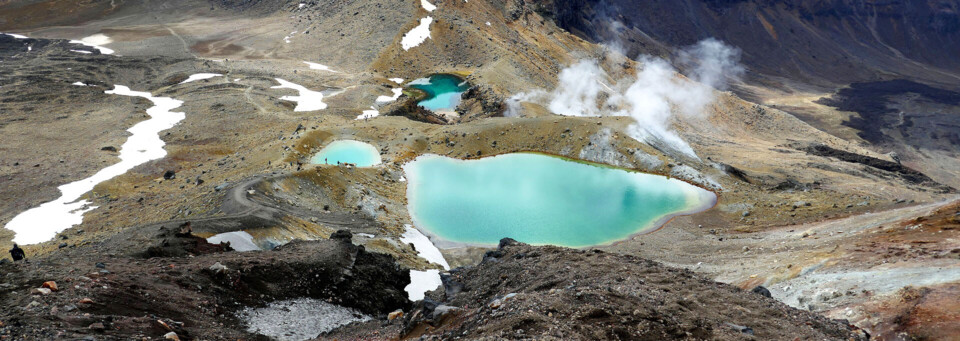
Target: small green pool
[
  {"x": 443, "y": 91},
  {"x": 541, "y": 199},
  {"x": 348, "y": 151}
]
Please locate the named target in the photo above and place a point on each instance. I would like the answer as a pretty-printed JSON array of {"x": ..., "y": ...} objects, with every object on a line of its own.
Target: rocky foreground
[
  {"x": 185, "y": 288},
  {"x": 544, "y": 292},
  {"x": 180, "y": 287}
]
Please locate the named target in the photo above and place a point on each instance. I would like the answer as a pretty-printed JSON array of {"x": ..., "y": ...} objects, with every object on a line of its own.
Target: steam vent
[{"x": 480, "y": 170}]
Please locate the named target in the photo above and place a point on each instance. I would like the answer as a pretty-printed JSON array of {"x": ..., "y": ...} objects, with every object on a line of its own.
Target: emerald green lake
[
  {"x": 541, "y": 199},
  {"x": 443, "y": 91},
  {"x": 348, "y": 151}
]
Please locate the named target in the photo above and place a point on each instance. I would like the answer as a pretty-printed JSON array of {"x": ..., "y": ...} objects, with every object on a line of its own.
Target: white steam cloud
[{"x": 652, "y": 98}]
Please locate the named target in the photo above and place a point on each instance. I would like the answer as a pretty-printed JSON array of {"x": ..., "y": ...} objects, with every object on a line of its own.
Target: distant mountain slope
[{"x": 817, "y": 42}]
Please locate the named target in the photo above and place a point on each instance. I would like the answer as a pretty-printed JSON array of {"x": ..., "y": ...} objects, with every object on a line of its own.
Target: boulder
[
  {"x": 762, "y": 291},
  {"x": 50, "y": 285}
]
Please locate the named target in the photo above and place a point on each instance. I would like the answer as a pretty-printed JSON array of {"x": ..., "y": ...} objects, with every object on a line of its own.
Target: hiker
[
  {"x": 185, "y": 230},
  {"x": 17, "y": 253}
]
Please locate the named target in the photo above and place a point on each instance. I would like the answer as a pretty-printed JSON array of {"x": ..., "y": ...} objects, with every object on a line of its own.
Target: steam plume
[{"x": 652, "y": 98}]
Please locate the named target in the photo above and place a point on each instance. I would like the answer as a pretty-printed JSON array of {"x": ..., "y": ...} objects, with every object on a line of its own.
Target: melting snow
[
  {"x": 95, "y": 41},
  {"x": 18, "y": 36},
  {"x": 369, "y": 113},
  {"x": 200, "y": 76},
  {"x": 417, "y": 35},
  {"x": 301, "y": 5},
  {"x": 386, "y": 99},
  {"x": 421, "y": 282},
  {"x": 316, "y": 66},
  {"x": 427, "y": 5},
  {"x": 308, "y": 100},
  {"x": 239, "y": 240},
  {"x": 287, "y": 38},
  {"x": 79, "y": 83},
  {"x": 425, "y": 248},
  {"x": 397, "y": 80},
  {"x": 42, "y": 223}
]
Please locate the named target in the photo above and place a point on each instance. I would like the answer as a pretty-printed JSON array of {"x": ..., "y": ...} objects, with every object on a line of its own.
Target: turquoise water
[
  {"x": 443, "y": 91},
  {"x": 541, "y": 199},
  {"x": 348, "y": 151}
]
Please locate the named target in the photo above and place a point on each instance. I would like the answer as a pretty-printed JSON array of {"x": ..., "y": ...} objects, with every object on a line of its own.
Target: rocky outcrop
[
  {"x": 522, "y": 292},
  {"x": 194, "y": 297},
  {"x": 407, "y": 107},
  {"x": 907, "y": 174},
  {"x": 480, "y": 102}
]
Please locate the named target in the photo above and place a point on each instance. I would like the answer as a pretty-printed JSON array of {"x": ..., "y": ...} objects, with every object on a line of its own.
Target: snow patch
[
  {"x": 42, "y": 223},
  {"x": 428, "y": 6},
  {"x": 239, "y": 240},
  {"x": 95, "y": 41},
  {"x": 200, "y": 76},
  {"x": 316, "y": 66},
  {"x": 421, "y": 282},
  {"x": 18, "y": 36},
  {"x": 79, "y": 83},
  {"x": 417, "y": 35},
  {"x": 81, "y": 51},
  {"x": 369, "y": 114},
  {"x": 387, "y": 99},
  {"x": 425, "y": 248},
  {"x": 308, "y": 100},
  {"x": 287, "y": 38},
  {"x": 397, "y": 80}
]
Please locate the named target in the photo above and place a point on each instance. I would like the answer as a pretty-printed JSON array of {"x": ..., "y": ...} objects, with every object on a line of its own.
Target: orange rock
[
  {"x": 86, "y": 300},
  {"x": 51, "y": 285}
]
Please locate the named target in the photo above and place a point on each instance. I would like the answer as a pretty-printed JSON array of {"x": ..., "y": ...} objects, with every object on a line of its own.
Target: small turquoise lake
[
  {"x": 348, "y": 151},
  {"x": 443, "y": 91},
  {"x": 541, "y": 199}
]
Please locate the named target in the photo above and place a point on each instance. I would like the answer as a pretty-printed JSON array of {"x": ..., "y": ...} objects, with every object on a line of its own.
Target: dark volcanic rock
[
  {"x": 907, "y": 174},
  {"x": 407, "y": 106},
  {"x": 565, "y": 294},
  {"x": 881, "y": 122},
  {"x": 193, "y": 296}
]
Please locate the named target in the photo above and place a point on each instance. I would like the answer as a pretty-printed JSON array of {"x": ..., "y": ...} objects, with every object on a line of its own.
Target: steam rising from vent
[{"x": 652, "y": 98}]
